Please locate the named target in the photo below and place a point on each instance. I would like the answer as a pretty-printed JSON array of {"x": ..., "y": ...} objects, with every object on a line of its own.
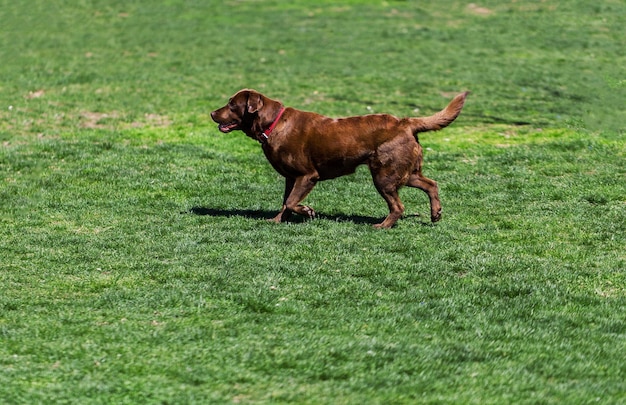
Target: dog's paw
[
  {"x": 308, "y": 211},
  {"x": 436, "y": 216}
]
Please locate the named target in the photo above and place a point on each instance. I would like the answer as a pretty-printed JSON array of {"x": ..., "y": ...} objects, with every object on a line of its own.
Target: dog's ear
[{"x": 255, "y": 102}]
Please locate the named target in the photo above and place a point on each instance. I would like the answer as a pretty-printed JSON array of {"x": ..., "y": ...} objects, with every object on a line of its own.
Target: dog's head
[{"x": 248, "y": 111}]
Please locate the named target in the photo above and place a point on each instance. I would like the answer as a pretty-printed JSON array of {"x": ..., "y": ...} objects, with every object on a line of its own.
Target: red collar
[{"x": 266, "y": 134}]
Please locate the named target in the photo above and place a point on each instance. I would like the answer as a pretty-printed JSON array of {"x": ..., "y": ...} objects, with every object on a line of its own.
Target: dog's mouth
[{"x": 226, "y": 128}]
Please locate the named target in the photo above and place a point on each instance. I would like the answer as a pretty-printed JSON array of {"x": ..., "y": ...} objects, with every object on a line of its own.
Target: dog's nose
[{"x": 213, "y": 115}]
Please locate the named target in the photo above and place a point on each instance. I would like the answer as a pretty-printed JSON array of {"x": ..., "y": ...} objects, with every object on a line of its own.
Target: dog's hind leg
[
  {"x": 418, "y": 180},
  {"x": 391, "y": 168},
  {"x": 396, "y": 209},
  {"x": 388, "y": 182}
]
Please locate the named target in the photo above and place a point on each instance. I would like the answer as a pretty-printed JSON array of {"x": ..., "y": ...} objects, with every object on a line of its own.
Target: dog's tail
[{"x": 441, "y": 119}]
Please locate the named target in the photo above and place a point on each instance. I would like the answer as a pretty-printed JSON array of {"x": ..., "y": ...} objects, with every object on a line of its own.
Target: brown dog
[{"x": 305, "y": 148}]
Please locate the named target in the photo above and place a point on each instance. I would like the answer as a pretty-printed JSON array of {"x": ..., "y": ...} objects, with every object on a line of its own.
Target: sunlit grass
[{"x": 136, "y": 265}]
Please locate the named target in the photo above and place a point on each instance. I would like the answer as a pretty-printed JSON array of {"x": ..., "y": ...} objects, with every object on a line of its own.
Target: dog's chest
[{"x": 288, "y": 163}]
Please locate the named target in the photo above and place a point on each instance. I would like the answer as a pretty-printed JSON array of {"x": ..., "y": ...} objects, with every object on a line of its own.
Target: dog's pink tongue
[{"x": 225, "y": 128}]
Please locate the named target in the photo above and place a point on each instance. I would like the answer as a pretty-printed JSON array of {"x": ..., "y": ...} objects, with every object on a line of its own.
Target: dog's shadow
[{"x": 267, "y": 215}]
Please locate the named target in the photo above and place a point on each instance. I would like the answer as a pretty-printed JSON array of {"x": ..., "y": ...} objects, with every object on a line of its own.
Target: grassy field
[{"x": 136, "y": 265}]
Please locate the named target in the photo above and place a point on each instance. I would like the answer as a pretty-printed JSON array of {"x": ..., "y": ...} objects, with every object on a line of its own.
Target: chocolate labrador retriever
[{"x": 305, "y": 148}]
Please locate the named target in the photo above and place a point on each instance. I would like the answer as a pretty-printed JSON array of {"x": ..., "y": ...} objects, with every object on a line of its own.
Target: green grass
[{"x": 136, "y": 265}]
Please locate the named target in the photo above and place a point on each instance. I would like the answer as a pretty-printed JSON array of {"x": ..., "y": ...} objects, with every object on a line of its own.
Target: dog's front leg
[
  {"x": 284, "y": 213},
  {"x": 301, "y": 189},
  {"x": 296, "y": 191}
]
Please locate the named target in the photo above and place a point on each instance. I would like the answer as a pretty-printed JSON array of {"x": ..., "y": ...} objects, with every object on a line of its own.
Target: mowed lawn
[{"x": 137, "y": 265}]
